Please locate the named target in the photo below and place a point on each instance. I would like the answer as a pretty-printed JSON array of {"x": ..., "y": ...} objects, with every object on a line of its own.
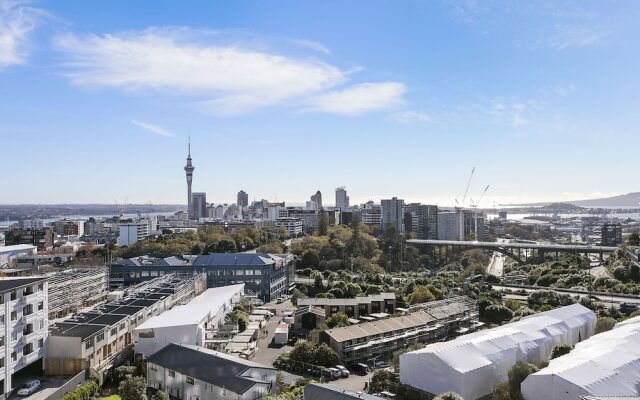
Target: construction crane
[
  {"x": 475, "y": 204},
  {"x": 466, "y": 190}
]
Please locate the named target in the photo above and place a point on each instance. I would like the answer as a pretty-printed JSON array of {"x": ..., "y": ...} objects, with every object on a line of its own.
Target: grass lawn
[{"x": 113, "y": 397}]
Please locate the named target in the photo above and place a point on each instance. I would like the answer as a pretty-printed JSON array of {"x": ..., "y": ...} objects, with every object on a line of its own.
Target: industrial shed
[
  {"x": 473, "y": 364},
  {"x": 608, "y": 364}
]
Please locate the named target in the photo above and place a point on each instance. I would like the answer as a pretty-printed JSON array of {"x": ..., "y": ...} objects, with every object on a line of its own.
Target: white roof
[
  {"x": 607, "y": 364},
  {"x": 17, "y": 247},
  {"x": 202, "y": 306},
  {"x": 471, "y": 365}
]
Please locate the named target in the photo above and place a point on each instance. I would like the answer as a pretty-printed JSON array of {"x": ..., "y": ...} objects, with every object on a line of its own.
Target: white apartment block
[
  {"x": 23, "y": 316},
  {"x": 131, "y": 232},
  {"x": 293, "y": 226}
]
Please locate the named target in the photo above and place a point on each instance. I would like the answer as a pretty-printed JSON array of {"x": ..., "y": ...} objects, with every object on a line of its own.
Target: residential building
[
  {"x": 317, "y": 198},
  {"x": 371, "y": 214},
  {"x": 450, "y": 225},
  {"x": 199, "y": 205},
  {"x": 328, "y": 391},
  {"x": 472, "y": 365},
  {"x": 91, "y": 226},
  {"x": 308, "y": 318},
  {"x": 277, "y": 212},
  {"x": 355, "y": 308},
  {"x": 243, "y": 199},
  {"x": 192, "y": 372},
  {"x": 265, "y": 275},
  {"x": 342, "y": 200},
  {"x": 191, "y": 323},
  {"x": 310, "y": 218},
  {"x": 431, "y": 322},
  {"x": 611, "y": 234},
  {"x": 293, "y": 226},
  {"x": 24, "y": 326},
  {"x": 392, "y": 213},
  {"x": 67, "y": 227},
  {"x": 426, "y": 222},
  {"x": 31, "y": 224},
  {"x": 72, "y": 289},
  {"x": 133, "y": 231},
  {"x": 102, "y": 338},
  {"x": 41, "y": 238},
  {"x": 9, "y": 254}
]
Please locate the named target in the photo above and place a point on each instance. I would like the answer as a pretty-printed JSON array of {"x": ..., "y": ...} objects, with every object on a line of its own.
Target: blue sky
[{"x": 388, "y": 98}]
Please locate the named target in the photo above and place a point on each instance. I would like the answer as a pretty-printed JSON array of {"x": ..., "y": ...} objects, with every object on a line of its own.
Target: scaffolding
[{"x": 72, "y": 289}]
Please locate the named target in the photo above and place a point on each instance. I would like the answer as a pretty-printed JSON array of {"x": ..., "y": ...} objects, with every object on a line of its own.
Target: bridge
[{"x": 511, "y": 248}]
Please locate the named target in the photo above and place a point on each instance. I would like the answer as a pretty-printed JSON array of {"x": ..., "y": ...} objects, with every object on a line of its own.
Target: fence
[{"x": 69, "y": 386}]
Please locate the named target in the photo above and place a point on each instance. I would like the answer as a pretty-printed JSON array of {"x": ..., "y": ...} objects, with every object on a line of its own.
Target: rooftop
[
  {"x": 209, "y": 366},
  {"x": 327, "y": 391},
  {"x": 14, "y": 283}
]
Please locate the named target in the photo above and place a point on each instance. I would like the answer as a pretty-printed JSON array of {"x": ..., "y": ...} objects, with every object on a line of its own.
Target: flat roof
[
  {"x": 14, "y": 283},
  {"x": 82, "y": 331}
]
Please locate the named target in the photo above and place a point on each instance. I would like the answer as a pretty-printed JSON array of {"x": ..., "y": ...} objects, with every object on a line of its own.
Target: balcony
[
  {"x": 29, "y": 358},
  {"x": 26, "y": 338}
]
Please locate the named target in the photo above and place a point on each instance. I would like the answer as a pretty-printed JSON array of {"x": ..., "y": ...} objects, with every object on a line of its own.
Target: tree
[
  {"x": 160, "y": 395},
  {"x": 123, "y": 372},
  {"x": 517, "y": 374},
  {"x": 337, "y": 320},
  {"x": 226, "y": 246},
  {"x": 240, "y": 317},
  {"x": 325, "y": 356},
  {"x": 605, "y": 324},
  {"x": 133, "y": 388},
  {"x": 373, "y": 289},
  {"x": 560, "y": 350},
  {"x": 497, "y": 313},
  {"x": 634, "y": 239},
  {"x": 304, "y": 351},
  {"x": 395, "y": 361},
  {"x": 323, "y": 223},
  {"x": 448, "y": 396},
  {"x": 295, "y": 296},
  {"x": 382, "y": 380},
  {"x": 310, "y": 259},
  {"x": 273, "y": 247},
  {"x": 421, "y": 294},
  {"x": 512, "y": 304}
]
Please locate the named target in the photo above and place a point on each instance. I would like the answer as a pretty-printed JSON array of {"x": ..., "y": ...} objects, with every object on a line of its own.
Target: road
[
  {"x": 604, "y": 298},
  {"x": 496, "y": 265}
]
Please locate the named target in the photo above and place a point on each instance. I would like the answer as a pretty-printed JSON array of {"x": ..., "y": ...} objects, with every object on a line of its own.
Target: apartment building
[
  {"x": 293, "y": 226},
  {"x": 23, "y": 317},
  {"x": 72, "y": 289},
  {"x": 430, "y": 322},
  {"x": 355, "y": 307},
  {"x": 134, "y": 231},
  {"x": 102, "y": 338},
  {"x": 188, "y": 372}
]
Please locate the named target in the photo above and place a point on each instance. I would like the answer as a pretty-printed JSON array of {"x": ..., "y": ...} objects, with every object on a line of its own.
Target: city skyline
[{"x": 389, "y": 100}]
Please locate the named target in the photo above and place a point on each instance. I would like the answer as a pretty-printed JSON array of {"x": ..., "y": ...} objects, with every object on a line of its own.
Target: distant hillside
[{"x": 629, "y": 200}]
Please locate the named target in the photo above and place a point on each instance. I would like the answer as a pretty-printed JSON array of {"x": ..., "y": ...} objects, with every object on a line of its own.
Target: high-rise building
[
  {"x": 189, "y": 171},
  {"x": 342, "y": 200},
  {"x": 199, "y": 204},
  {"x": 427, "y": 221},
  {"x": 611, "y": 234},
  {"x": 317, "y": 198},
  {"x": 392, "y": 213},
  {"x": 450, "y": 225},
  {"x": 243, "y": 199}
]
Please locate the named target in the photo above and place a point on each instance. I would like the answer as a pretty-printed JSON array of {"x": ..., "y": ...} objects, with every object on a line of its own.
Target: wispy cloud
[
  {"x": 408, "y": 117},
  {"x": 17, "y": 21},
  {"x": 564, "y": 90},
  {"x": 511, "y": 112},
  {"x": 225, "y": 79},
  {"x": 313, "y": 45},
  {"x": 360, "y": 99},
  {"x": 574, "y": 35},
  {"x": 155, "y": 129}
]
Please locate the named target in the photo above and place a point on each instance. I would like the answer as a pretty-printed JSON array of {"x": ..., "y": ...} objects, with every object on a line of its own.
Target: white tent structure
[
  {"x": 186, "y": 324},
  {"x": 608, "y": 364},
  {"x": 473, "y": 364}
]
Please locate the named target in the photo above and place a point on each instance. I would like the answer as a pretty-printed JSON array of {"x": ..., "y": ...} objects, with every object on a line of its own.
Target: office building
[
  {"x": 450, "y": 225},
  {"x": 102, "y": 338},
  {"x": 433, "y": 322},
  {"x": 192, "y": 372},
  {"x": 24, "y": 325},
  {"x": 199, "y": 204},
  {"x": 472, "y": 365},
  {"x": 265, "y": 275},
  {"x": 310, "y": 218},
  {"x": 611, "y": 234},
  {"x": 607, "y": 364},
  {"x": 293, "y": 226},
  {"x": 41, "y": 238},
  {"x": 392, "y": 214},
  {"x": 371, "y": 214},
  {"x": 66, "y": 227},
  {"x": 243, "y": 199},
  {"x": 188, "y": 324},
  {"x": 132, "y": 231},
  {"x": 342, "y": 200},
  {"x": 317, "y": 198},
  {"x": 188, "y": 169}
]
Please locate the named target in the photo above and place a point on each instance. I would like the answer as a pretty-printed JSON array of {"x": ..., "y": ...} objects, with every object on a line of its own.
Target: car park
[{"x": 29, "y": 388}]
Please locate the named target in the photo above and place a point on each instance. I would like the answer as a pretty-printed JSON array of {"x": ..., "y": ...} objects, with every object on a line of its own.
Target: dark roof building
[{"x": 327, "y": 391}]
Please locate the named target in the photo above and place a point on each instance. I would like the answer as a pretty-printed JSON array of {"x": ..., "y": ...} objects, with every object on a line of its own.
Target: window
[
  {"x": 41, "y": 305},
  {"x": 14, "y": 295},
  {"x": 122, "y": 326},
  {"x": 1, "y": 298},
  {"x": 40, "y": 343},
  {"x": 2, "y": 362},
  {"x": 114, "y": 331},
  {"x": 14, "y": 356},
  {"x": 248, "y": 272},
  {"x": 1, "y": 341},
  {"x": 190, "y": 380},
  {"x": 88, "y": 345},
  {"x": 100, "y": 337},
  {"x": 172, "y": 374},
  {"x": 239, "y": 272},
  {"x": 14, "y": 315},
  {"x": 14, "y": 336},
  {"x": 40, "y": 287},
  {"x": 258, "y": 272}
]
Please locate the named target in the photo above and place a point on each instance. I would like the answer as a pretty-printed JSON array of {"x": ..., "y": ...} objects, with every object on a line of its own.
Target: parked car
[
  {"x": 361, "y": 368},
  {"x": 327, "y": 374},
  {"x": 343, "y": 371},
  {"x": 29, "y": 388},
  {"x": 380, "y": 364},
  {"x": 280, "y": 300},
  {"x": 335, "y": 373}
]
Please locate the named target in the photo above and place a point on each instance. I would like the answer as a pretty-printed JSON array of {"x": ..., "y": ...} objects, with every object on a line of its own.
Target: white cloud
[
  {"x": 564, "y": 90},
  {"x": 360, "y": 99},
  {"x": 510, "y": 112},
  {"x": 222, "y": 76},
  {"x": 155, "y": 129},
  {"x": 407, "y": 117},
  {"x": 310, "y": 44},
  {"x": 17, "y": 21},
  {"x": 575, "y": 35},
  {"x": 228, "y": 77}
]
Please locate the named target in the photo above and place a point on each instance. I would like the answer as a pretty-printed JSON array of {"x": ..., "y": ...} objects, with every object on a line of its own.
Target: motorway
[{"x": 604, "y": 298}]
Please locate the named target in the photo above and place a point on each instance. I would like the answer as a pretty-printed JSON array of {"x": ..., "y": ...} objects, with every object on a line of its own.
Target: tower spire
[{"x": 189, "y": 147}]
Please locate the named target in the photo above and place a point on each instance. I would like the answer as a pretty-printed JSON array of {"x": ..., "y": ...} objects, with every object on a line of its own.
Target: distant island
[{"x": 629, "y": 200}]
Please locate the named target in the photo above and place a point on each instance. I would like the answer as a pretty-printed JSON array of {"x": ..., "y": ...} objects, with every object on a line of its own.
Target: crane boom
[
  {"x": 482, "y": 195},
  {"x": 466, "y": 190}
]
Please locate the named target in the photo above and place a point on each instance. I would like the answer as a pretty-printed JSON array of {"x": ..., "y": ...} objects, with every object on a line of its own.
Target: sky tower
[{"x": 189, "y": 170}]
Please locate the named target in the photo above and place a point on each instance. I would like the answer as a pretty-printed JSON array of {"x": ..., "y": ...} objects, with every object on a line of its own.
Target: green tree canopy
[{"x": 337, "y": 320}]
